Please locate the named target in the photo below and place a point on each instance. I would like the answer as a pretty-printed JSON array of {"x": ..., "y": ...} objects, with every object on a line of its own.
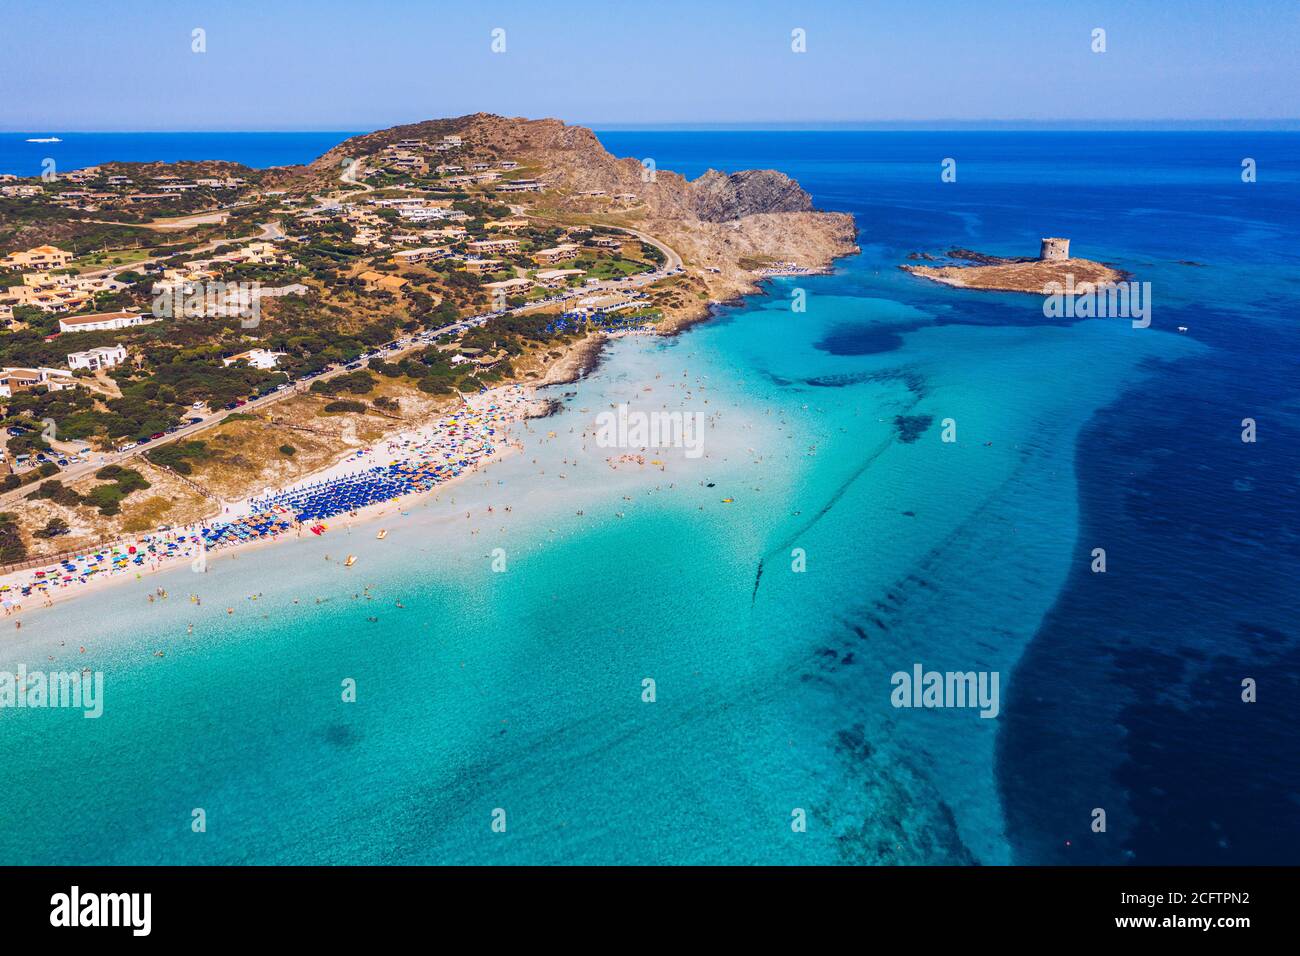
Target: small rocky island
[{"x": 1053, "y": 270}]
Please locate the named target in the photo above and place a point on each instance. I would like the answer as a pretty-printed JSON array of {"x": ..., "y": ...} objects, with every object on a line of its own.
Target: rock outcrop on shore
[{"x": 1036, "y": 276}]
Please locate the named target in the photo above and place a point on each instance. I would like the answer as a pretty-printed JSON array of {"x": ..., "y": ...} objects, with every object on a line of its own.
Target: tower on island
[{"x": 1054, "y": 250}]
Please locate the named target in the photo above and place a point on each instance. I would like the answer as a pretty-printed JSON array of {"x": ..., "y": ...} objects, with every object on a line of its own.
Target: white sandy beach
[{"x": 50, "y": 584}]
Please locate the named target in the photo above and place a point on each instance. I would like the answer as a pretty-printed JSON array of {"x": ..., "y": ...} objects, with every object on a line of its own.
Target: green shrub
[
  {"x": 359, "y": 382},
  {"x": 345, "y": 405},
  {"x": 107, "y": 498},
  {"x": 57, "y": 492},
  {"x": 12, "y": 548},
  {"x": 178, "y": 456},
  {"x": 53, "y": 528}
]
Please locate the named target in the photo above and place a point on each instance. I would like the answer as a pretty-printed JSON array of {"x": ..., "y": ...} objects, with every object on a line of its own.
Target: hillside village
[{"x": 179, "y": 334}]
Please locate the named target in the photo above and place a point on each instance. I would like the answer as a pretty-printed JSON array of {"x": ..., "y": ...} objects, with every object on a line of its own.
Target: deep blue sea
[
  {"x": 523, "y": 691},
  {"x": 75, "y": 150}
]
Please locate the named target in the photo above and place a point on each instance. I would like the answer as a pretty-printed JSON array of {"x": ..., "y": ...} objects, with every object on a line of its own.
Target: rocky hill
[
  {"x": 720, "y": 198},
  {"x": 721, "y": 224},
  {"x": 571, "y": 159}
]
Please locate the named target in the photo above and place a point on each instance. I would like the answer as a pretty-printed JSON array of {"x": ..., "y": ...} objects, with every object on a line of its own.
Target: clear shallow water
[{"x": 522, "y": 690}]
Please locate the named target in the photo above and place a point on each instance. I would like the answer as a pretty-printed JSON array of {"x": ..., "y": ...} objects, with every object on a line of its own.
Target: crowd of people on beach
[{"x": 405, "y": 464}]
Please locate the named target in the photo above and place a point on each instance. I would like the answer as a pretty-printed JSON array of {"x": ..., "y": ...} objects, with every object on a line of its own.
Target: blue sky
[{"x": 285, "y": 64}]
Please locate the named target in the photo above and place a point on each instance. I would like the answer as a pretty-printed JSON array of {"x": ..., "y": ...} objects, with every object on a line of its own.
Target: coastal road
[
  {"x": 674, "y": 260},
  {"x": 351, "y": 179}
]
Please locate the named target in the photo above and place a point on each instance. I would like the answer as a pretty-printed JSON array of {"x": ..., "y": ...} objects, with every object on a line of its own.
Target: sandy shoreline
[
  {"x": 193, "y": 552},
  {"x": 577, "y": 362}
]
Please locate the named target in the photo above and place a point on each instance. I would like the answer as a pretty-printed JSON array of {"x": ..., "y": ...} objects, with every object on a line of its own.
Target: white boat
[
  {"x": 1182, "y": 328},
  {"x": 48, "y": 139}
]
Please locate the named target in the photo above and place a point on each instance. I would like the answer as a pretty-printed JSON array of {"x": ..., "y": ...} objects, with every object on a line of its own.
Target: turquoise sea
[{"x": 522, "y": 690}]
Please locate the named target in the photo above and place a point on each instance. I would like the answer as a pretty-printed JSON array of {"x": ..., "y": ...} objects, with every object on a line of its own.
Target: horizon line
[{"x": 1278, "y": 124}]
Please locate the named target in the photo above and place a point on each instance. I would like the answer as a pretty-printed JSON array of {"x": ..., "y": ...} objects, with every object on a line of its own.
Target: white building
[
  {"x": 257, "y": 358},
  {"x": 21, "y": 379},
  {"x": 104, "y": 321},
  {"x": 554, "y": 278},
  {"x": 95, "y": 359},
  {"x": 421, "y": 213}
]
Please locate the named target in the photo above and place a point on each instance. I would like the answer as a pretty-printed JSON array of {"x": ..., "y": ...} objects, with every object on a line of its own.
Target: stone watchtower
[{"x": 1054, "y": 250}]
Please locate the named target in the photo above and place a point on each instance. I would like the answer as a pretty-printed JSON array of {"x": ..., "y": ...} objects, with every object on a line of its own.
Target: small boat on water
[
  {"x": 383, "y": 533},
  {"x": 46, "y": 139},
  {"x": 727, "y": 501},
  {"x": 352, "y": 559}
]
